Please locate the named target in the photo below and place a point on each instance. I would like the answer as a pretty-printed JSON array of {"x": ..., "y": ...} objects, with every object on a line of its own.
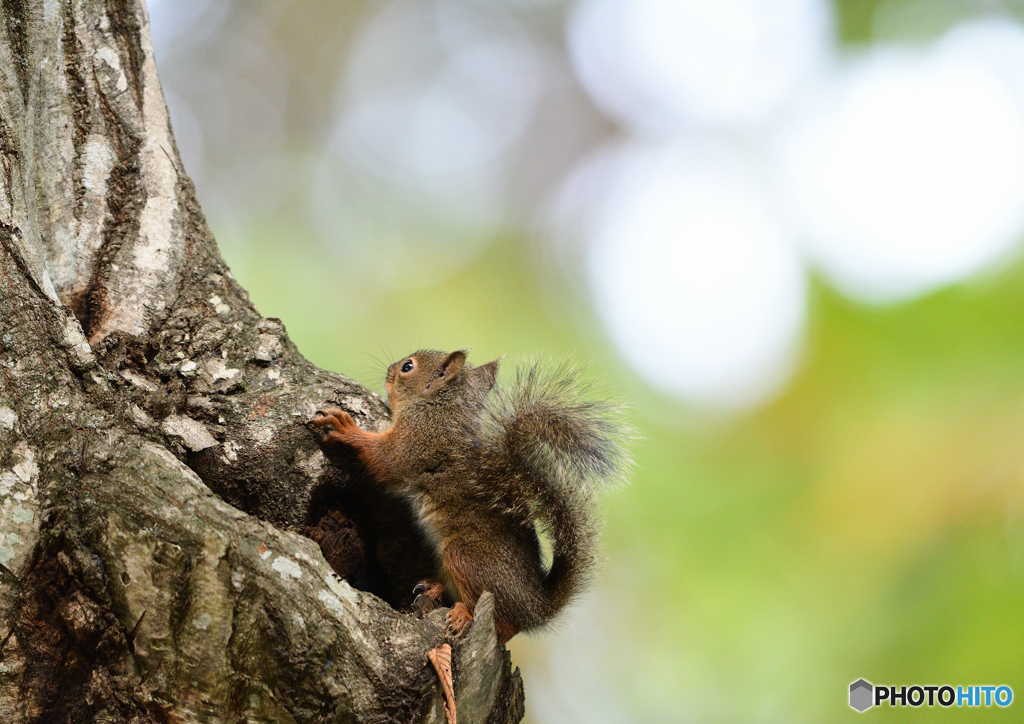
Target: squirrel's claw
[
  {"x": 431, "y": 587},
  {"x": 428, "y": 596},
  {"x": 422, "y": 605}
]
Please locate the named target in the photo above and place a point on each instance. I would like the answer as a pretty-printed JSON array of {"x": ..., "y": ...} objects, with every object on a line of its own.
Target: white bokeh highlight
[
  {"x": 896, "y": 170},
  {"x": 435, "y": 95},
  {"x": 908, "y": 172},
  {"x": 659, "y": 63},
  {"x": 434, "y": 89},
  {"x": 699, "y": 285}
]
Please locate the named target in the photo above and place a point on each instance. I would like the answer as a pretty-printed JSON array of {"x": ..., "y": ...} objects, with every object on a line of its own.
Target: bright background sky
[{"x": 786, "y": 231}]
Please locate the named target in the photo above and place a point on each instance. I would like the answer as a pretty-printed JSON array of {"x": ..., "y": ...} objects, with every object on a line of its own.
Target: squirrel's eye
[{"x": 407, "y": 366}]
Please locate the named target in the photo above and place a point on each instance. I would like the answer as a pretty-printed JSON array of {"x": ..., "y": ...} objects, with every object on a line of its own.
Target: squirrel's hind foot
[{"x": 459, "y": 618}]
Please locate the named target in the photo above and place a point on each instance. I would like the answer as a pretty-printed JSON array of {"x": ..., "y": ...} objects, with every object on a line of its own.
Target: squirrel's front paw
[
  {"x": 341, "y": 425},
  {"x": 459, "y": 618},
  {"x": 335, "y": 418}
]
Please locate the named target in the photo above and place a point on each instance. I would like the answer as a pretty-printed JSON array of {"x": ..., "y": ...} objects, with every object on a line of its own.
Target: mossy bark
[{"x": 156, "y": 469}]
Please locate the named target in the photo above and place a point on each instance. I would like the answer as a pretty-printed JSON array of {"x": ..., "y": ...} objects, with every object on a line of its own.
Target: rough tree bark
[{"x": 156, "y": 468}]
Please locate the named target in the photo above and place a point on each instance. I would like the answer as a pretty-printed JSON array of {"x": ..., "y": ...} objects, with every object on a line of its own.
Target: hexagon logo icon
[{"x": 861, "y": 695}]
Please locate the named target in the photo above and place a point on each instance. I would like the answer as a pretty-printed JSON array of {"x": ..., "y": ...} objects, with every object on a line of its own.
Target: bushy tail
[{"x": 548, "y": 450}]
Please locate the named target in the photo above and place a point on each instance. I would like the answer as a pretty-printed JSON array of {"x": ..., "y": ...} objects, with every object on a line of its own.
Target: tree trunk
[{"x": 157, "y": 472}]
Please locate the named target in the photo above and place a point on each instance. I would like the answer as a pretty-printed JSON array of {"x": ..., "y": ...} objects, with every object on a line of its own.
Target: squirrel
[{"x": 480, "y": 464}]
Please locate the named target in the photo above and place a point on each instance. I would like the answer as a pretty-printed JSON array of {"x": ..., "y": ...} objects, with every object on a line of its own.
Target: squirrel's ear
[
  {"x": 453, "y": 363},
  {"x": 489, "y": 372},
  {"x": 450, "y": 367}
]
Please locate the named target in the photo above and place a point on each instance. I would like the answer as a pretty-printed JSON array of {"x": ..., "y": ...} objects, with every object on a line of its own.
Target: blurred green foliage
[
  {"x": 867, "y": 523},
  {"x": 854, "y": 20}
]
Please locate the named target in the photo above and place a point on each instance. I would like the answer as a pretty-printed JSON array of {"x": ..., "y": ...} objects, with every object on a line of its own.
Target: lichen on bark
[{"x": 156, "y": 471}]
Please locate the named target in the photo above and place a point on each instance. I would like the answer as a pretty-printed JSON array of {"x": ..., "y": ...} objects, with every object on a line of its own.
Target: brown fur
[{"x": 478, "y": 477}]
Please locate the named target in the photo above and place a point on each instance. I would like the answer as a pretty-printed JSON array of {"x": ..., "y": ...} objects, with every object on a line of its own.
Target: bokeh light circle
[
  {"x": 908, "y": 173},
  {"x": 658, "y": 63},
  {"x": 435, "y": 95},
  {"x": 700, "y": 287},
  {"x": 435, "y": 88}
]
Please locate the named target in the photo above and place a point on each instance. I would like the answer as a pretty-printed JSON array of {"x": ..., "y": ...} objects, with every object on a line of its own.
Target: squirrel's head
[{"x": 429, "y": 373}]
